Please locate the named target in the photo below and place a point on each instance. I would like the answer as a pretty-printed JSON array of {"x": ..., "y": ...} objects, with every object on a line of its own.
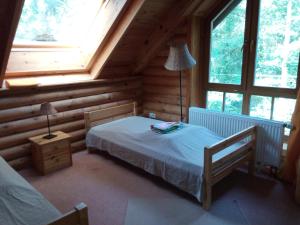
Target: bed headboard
[{"x": 106, "y": 115}]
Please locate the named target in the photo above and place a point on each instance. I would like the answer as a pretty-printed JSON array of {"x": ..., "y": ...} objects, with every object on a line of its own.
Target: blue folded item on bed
[{"x": 165, "y": 127}]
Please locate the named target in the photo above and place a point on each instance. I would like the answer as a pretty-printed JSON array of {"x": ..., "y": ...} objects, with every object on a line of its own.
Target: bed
[
  {"x": 21, "y": 204},
  {"x": 181, "y": 158}
]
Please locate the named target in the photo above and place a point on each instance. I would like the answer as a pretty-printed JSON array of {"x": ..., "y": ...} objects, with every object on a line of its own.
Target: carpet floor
[{"x": 112, "y": 190}]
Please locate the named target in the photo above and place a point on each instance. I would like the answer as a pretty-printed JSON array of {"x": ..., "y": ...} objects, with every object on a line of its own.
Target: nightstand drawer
[
  {"x": 53, "y": 149},
  {"x": 57, "y": 161}
]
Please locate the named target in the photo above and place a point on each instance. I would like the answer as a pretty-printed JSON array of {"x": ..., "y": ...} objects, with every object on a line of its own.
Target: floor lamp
[{"x": 179, "y": 59}]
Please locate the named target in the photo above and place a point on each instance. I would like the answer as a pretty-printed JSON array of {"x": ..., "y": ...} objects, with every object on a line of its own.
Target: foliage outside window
[
  {"x": 227, "y": 40},
  {"x": 276, "y": 59},
  {"x": 56, "y": 21}
]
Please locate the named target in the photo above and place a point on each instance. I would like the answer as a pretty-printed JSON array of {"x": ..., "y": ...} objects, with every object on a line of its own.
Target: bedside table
[{"x": 51, "y": 154}]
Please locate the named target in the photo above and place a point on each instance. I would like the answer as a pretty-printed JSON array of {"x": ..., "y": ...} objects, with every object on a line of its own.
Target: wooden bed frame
[
  {"x": 213, "y": 171},
  {"x": 78, "y": 216}
]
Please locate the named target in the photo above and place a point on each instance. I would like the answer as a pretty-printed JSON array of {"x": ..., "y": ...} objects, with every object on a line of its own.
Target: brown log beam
[
  {"x": 111, "y": 43},
  {"x": 9, "y": 18},
  {"x": 13, "y": 100}
]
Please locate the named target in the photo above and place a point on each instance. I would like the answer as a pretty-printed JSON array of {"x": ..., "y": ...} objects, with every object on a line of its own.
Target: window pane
[
  {"x": 283, "y": 109},
  {"x": 227, "y": 38},
  {"x": 214, "y": 100},
  {"x": 260, "y": 106},
  {"x": 278, "y": 46},
  {"x": 233, "y": 103},
  {"x": 56, "y": 20}
]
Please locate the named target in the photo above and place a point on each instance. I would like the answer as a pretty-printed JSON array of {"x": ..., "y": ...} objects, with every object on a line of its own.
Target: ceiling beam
[
  {"x": 174, "y": 17},
  {"x": 10, "y": 12},
  {"x": 112, "y": 41}
]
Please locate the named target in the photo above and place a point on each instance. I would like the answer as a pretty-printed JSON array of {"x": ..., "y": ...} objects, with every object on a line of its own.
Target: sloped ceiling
[{"x": 152, "y": 24}]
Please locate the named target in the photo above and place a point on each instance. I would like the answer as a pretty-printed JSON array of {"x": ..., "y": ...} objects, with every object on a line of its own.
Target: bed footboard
[
  {"x": 217, "y": 170},
  {"x": 78, "y": 216}
]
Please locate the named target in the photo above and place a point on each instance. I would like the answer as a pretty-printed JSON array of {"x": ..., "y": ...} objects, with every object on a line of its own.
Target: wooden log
[
  {"x": 78, "y": 146},
  {"x": 164, "y": 108},
  {"x": 166, "y": 81},
  {"x": 162, "y": 116},
  {"x": 158, "y": 61},
  {"x": 24, "y": 150},
  {"x": 77, "y": 135},
  {"x": 158, "y": 71},
  {"x": 65, "y": 105},
  {"x": 13, "y": 127},
  {"x": 22, "y": 138},
  {"x": 163, "y": 90},
  {"x": 21, "y": 163},
  {"x": 169, "y": 99},
  {"x": 32, "y": 98},
  {"x": 59, "y": 118},
  {"x": 16, "y": 152}
]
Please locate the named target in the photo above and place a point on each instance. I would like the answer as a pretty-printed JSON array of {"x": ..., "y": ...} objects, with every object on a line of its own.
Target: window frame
[{"x": 247, "y": 87}]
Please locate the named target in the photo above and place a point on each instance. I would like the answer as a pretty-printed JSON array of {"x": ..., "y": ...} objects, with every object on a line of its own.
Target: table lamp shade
[
  {"x": 179, "y": 58},
  {"x": 47, "y": 109}
]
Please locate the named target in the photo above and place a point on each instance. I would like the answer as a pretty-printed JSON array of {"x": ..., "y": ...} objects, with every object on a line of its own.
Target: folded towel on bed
[{"x": 165, "y": 127}]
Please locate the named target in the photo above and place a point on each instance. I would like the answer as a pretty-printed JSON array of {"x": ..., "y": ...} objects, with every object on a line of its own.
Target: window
[
  {"x": 257, "y": 60},
  {"x": 56, "y": 21},
  {"x": 278, "y": 44},
  {"x": 228, "y": 102},
  {"x": 60, "y": 37},
  {"x": 227, "y": 39}
]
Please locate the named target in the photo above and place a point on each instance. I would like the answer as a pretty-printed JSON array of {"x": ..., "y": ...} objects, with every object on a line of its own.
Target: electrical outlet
[{"x": 152, "y": 115}]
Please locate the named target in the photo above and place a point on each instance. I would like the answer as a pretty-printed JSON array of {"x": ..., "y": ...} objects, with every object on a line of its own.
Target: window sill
[{"x": 45, "y": 81}]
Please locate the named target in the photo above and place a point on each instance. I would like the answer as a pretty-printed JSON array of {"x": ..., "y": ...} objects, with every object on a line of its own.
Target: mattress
[
  {"x": 177, "y": 157},
  {"x": 20, "y": 203}
]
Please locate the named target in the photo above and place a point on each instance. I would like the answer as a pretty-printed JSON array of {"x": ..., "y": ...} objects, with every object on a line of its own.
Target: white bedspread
[
  {"x": 20, "y": 203},
  {"x": 176, "y": 157}
]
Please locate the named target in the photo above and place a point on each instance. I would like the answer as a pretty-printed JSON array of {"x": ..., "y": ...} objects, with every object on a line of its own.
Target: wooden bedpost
[
  {"x": 207, "y": 179},
  {"x": 82, "y": 214},
  {"x": 251, "y": 162}
]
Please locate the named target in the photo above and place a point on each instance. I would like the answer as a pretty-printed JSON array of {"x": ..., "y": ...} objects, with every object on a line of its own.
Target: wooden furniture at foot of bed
[
  {"x": 214, "y": 171},
  {"x": 78, "y": 216}
]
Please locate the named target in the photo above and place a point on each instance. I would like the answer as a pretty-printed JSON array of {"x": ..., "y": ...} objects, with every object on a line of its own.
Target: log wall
[
  {"x": 161, "y": 87},
  {"x": 20, "y": 117}
]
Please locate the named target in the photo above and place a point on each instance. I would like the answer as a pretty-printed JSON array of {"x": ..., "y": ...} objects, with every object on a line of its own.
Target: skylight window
[
  {"x": 61, "y": 36},
  {"x": 56, "y": 21}
]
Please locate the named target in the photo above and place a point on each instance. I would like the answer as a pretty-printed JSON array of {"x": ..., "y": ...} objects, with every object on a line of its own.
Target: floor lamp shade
[
  {"x": 48, "y": 109},
  {"x": 179, "y": 59}
]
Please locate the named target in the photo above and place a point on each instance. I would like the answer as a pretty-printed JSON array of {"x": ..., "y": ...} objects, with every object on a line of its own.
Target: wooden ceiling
[{"x": 149, "y": 24}]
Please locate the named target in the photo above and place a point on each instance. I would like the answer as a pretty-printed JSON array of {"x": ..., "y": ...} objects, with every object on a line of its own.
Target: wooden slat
[
  {"x": 176, "y": 15},
  {"x": 244, "y": 148},
  {"x": 115, "y": 37},
  {"x": 93, "y": 116},
  {"x": 9, "y": 17},
  {"x": 230, "y": 168},
  {"x": 232, "y": 139}
]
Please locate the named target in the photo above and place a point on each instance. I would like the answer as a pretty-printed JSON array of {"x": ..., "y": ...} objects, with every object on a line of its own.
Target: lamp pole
[{"x": 180, "y": 93}]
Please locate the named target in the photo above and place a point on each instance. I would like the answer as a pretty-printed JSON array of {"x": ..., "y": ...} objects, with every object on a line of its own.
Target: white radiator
[{"x": 269, "y": 132}]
